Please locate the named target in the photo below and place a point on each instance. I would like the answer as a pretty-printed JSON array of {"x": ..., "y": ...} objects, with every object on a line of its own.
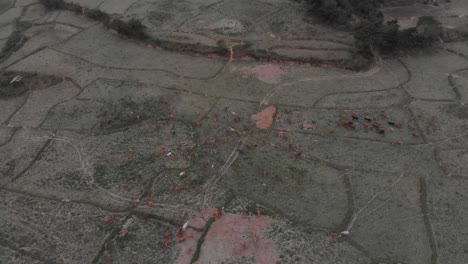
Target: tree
[
  {"x": 331, "y": 11},
  {"x": 371, "y": 34},
  {"x": 389, "y": 41},
  {"x": 367, "y": 37},
  {"x": 428, "y": 28}
]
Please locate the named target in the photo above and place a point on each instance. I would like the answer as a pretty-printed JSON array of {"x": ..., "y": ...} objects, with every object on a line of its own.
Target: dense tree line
[
  {"x": 341, "y": 12},
  {"x": 371, "y": 34}
]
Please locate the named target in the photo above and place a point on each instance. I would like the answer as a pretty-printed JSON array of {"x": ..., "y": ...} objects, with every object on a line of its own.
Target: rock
[{"x": 229, "y": 26}]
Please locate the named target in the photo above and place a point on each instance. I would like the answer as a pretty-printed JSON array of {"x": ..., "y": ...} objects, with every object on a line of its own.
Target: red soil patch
[
  {"x": 230, "y": 236},
  {"x": 268, "y": 73},
  {"x": 113, "y": 32},
  {"x": 205, "y": 215},
  {"x": 212, "y": 55},
  {"x": 188, "y": 246},
  {"x": 247, "y": 58},
  {"x": 264, "y": 119}
]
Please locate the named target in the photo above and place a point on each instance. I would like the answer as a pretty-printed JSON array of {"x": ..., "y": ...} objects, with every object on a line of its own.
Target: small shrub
[
  {"x": 221, "y": 47},
  {"x": 15, "y": 40}
]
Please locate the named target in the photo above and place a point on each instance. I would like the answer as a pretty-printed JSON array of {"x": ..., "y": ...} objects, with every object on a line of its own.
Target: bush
[
  {"x": 132, "y": 29},
  {"x": 428, "y": 28},
  {"x": 60, "y": 4},
  {"x": 13, "y": 43},
  {"x": 16, "y": 39},
  {"x": 53, "y": 4},
  {"x": 98, "y": 15}
]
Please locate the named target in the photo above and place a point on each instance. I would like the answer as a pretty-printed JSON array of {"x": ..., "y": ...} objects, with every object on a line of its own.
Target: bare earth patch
[
  {"x": 231, "y": 236},
  {"x": 264, "y": 119},
  {"x": 268, "y": 73}
]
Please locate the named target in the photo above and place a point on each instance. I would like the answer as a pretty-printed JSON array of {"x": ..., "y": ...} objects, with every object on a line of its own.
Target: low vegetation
[
  {"x": 16, "y": 40},
  {"x": 60, "y": 4},
  {"x": 337, "y": 12},
  {"x": 131, "y": 29}
]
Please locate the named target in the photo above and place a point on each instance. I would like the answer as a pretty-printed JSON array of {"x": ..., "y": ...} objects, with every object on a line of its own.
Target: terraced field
[{"x": 116, "y": 150}]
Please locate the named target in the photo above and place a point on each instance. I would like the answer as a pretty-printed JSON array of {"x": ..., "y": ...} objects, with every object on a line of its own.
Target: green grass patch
[
  {"x": 196, "y": 255},
  {"x": 253, "y": 207},
  {"x": 138, "y": 164},
  {"x": 132, "y": 234},
  {"x": 295, "y": 171},
  {"x": 124, "y": 173}
]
